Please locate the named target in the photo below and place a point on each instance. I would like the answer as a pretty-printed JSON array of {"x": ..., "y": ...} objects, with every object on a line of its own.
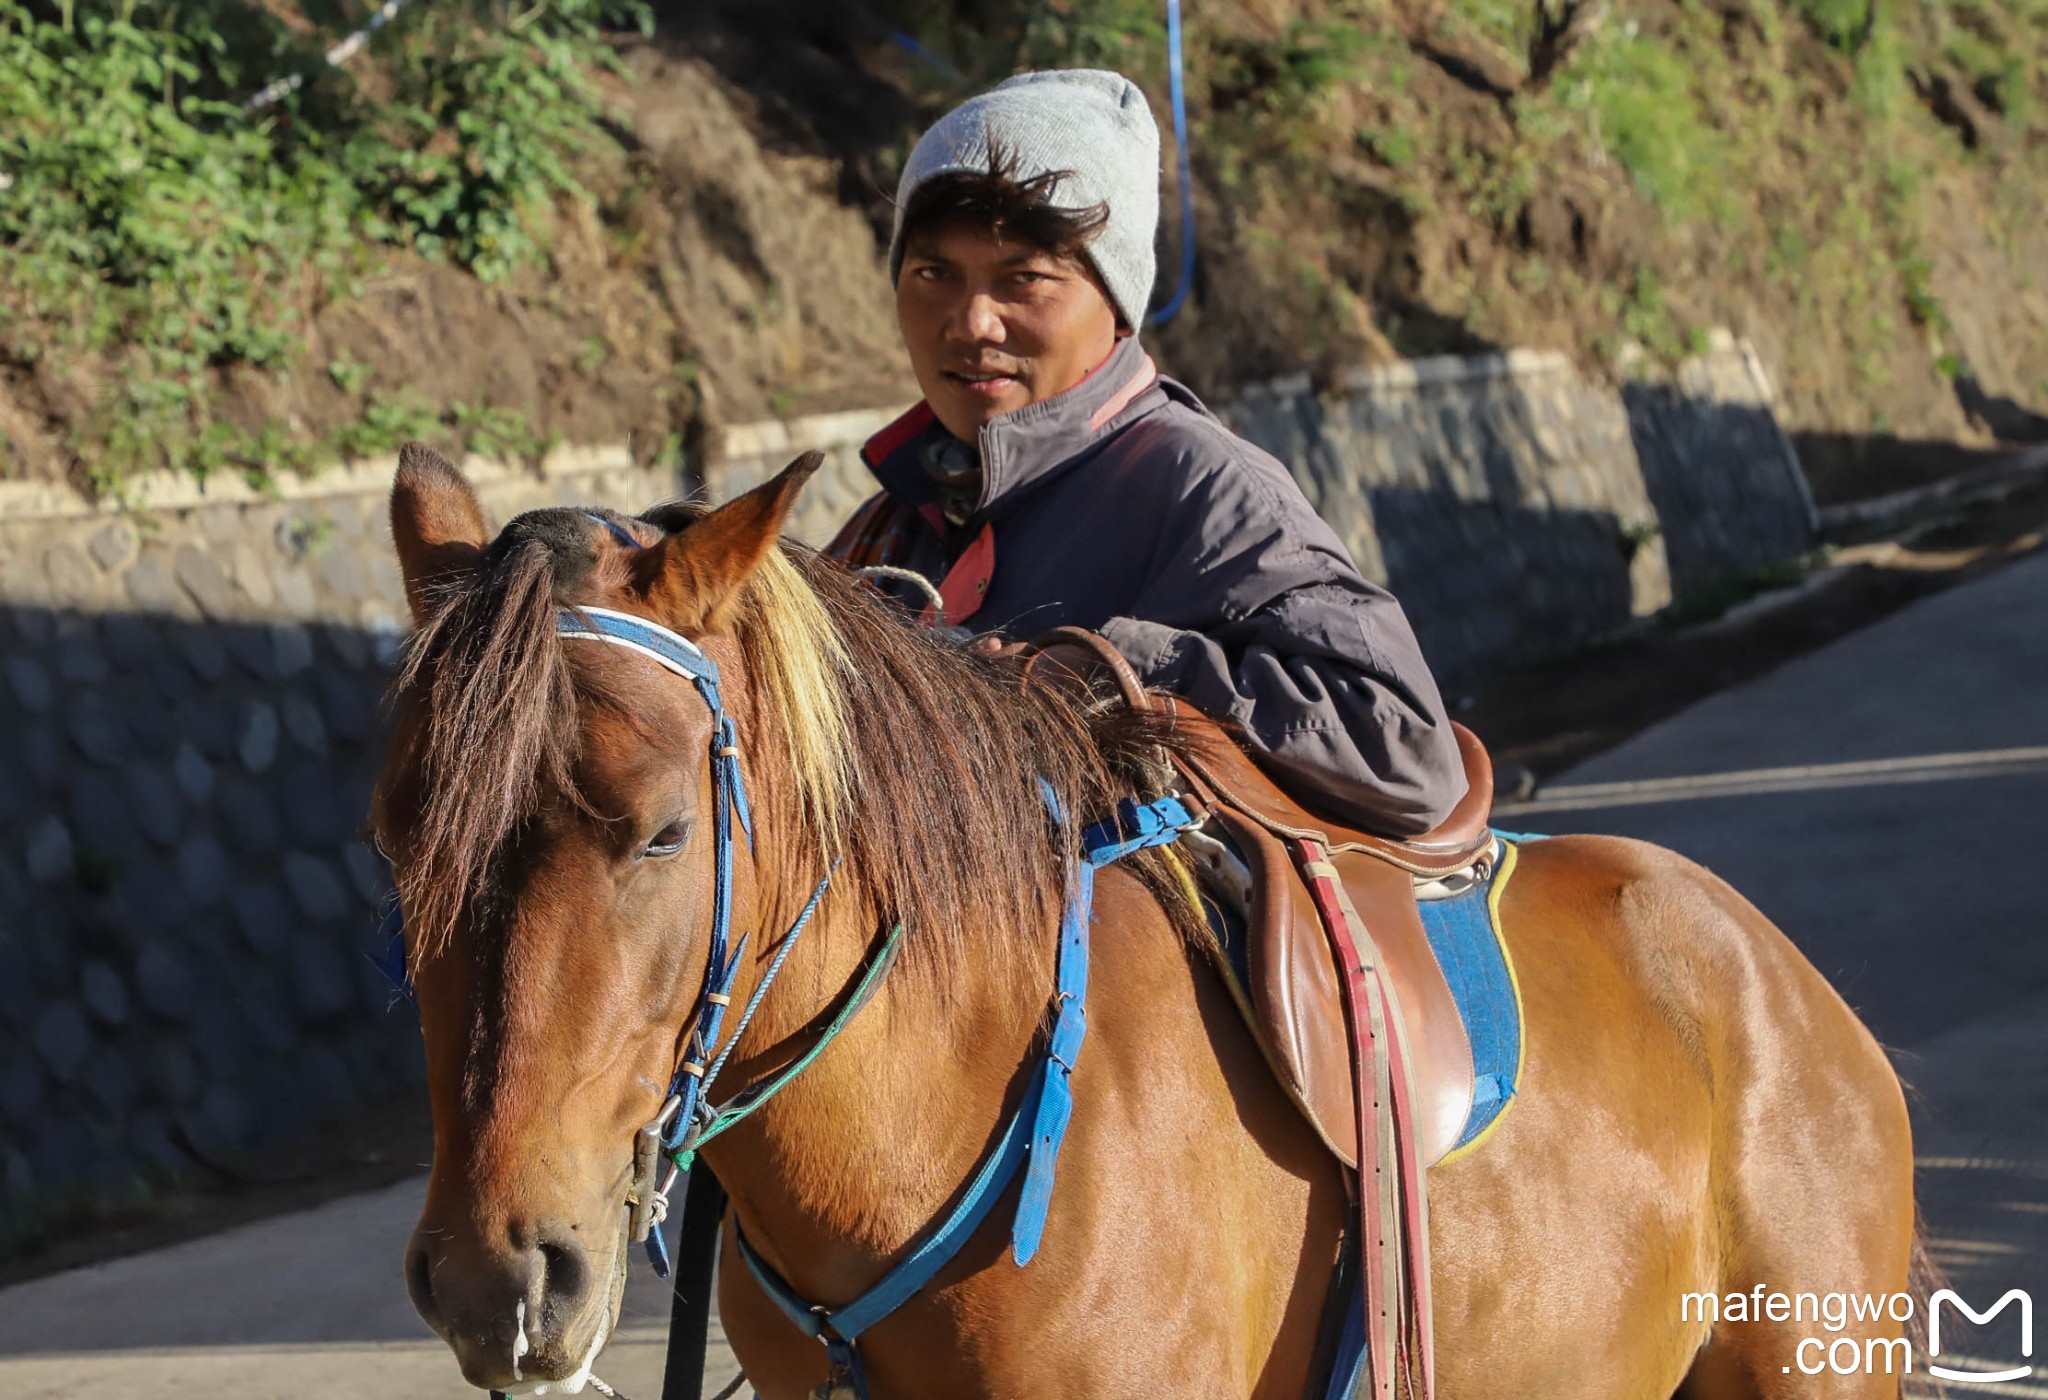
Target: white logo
[{"x": 2017, "y": 1373}]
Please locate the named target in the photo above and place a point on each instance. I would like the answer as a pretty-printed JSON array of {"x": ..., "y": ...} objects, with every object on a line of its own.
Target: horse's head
[{"x": 548, "y": 808}]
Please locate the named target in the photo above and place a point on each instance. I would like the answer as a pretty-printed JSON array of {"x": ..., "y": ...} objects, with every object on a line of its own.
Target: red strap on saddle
[
  {"x": 1393, "y": 1221},
  {"x": 965, "y": 585}
]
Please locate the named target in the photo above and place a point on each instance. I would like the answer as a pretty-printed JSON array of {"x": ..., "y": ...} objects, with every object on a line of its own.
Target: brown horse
[{"x": 1699, "y": 1113}]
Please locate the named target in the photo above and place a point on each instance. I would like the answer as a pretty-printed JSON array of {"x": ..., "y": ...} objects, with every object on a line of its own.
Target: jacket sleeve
[{"x": 1254, "y": 612}]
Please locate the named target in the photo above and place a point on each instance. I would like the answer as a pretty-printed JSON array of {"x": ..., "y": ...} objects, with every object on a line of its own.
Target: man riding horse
[{"x": 1053, "y": 477}]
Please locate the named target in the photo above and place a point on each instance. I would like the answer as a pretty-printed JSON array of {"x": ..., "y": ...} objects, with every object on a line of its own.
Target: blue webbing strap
[
  {"x": 1030, "y": 1140},
  {"x": 1135, "y": 827},
  {"x": 917, "y": 1268},
  {"x": 1056, "y": 1071},
  {"x": 618, "y": 531},
  {"x": 1349, "y": 1367},
  {"x": 391, "y": 960}
]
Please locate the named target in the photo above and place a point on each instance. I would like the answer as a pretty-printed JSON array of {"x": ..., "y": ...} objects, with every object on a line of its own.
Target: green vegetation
[
  {"x": 156, "y": 240},
  {"x": 1643, "y": 106}
]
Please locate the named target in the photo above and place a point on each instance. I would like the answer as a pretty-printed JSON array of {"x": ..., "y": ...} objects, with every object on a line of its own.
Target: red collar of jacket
[{"x": 1020, "y": 450}]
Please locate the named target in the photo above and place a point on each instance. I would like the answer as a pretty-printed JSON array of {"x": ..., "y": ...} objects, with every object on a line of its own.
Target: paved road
[
  {"x": 1903, "y": 858},
  {"x": 284, "y": 1309}
]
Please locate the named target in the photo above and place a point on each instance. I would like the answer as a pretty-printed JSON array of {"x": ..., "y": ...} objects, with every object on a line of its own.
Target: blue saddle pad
[{"x": 1464, "y": 931}]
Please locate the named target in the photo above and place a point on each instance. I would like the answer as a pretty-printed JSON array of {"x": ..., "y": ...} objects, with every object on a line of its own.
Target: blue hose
[{"x": 1187, "y": 185}]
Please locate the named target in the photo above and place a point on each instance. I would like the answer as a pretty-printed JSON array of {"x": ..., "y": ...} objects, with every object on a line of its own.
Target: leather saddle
[{"x": 1294, "y": 987}]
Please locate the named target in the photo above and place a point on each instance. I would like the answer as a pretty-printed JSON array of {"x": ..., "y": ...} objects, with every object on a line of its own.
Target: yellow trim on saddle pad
[{"x": 1499, "y": 882}]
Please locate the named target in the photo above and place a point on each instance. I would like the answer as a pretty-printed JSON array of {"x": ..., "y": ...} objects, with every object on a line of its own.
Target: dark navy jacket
[{"x": 1124, "y": 506}]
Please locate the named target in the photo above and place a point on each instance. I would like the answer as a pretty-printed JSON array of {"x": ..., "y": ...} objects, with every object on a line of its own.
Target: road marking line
[{"x": 1878, "y": 772}]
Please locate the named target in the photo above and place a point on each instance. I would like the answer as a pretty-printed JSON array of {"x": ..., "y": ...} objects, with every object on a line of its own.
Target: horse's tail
[{"x": 1924, "y": 1279}]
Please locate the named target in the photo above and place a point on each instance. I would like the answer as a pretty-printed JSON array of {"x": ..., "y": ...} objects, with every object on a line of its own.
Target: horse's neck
[{"x": 863, "y": 1150}]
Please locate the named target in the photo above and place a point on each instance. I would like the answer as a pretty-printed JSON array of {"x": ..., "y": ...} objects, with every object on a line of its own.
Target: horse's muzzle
[{"x": 528, "y": 1307}]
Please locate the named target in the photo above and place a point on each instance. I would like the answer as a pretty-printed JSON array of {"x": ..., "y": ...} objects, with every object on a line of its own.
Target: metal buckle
[{"x": 647, "y": 1205}]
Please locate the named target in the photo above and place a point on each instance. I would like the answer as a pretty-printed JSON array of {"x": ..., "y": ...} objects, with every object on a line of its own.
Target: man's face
[{"x": 992, "y": 325}]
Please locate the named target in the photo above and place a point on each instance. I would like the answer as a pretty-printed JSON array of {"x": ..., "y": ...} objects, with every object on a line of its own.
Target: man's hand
[
  {"x": 997, "y": 646},
  {"x": 1069, "y": 667}
]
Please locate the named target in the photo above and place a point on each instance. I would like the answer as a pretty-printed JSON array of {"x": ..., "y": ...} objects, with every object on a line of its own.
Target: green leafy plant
[
  {"x": 156, "y": 236},
  {"x": 496, "y": 432},
  {"x": 1640, "y": 95},
  {"x": 308, "y": 536},
  {"x": 348, "y": 375}
]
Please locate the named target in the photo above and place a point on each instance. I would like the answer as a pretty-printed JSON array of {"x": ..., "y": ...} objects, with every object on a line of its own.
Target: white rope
[
  {"x": 341, "y": 53},
  {"x": 916, "y": 580},
  {"x": 731, "y": 1388}
]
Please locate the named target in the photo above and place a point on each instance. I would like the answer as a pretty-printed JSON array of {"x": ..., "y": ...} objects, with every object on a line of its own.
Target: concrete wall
[
  {"x": 189, "y": 709},
  {"x": 1517, "y": 509}
]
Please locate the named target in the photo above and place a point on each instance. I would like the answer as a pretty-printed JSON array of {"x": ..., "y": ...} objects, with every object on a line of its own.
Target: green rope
[{"x": 751, "y": 1098}]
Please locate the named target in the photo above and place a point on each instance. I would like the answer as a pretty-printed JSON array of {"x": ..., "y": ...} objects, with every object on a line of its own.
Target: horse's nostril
[
  {"x": 419, "y": 1282},
  {"x": 567, "y": 1267}
]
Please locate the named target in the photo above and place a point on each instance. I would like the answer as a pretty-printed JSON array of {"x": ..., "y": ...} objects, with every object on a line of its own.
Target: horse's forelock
[
  {"x": 798, "y": 659},
  {"x": 495, "y": 702}
]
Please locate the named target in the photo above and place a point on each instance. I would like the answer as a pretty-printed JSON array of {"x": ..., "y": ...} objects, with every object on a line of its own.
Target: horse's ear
[
  {"x": 437, "y": 525},
  {"x": 693, "y": 578}
]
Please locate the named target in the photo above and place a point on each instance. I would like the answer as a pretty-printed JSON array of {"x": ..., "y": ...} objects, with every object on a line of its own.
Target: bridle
[
  {"x": 687, "y": 1119},
  {"x": 1029, "y": 1142}
]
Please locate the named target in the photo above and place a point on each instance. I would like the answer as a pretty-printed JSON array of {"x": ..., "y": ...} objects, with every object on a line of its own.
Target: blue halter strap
[
  {"x": 679, "y": 1128},
  {"x": 1030, "y": 1140}
]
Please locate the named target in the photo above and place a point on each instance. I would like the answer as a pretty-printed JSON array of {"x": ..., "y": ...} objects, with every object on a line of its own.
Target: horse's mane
[{"x": 918, "y": 766}]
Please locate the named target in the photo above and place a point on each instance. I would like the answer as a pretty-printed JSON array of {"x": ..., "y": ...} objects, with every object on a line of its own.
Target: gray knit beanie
[{"x": 1087, "y": 121}]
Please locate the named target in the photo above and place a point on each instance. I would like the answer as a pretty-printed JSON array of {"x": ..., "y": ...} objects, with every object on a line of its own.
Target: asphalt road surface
[{"x": 1884, "y": 800}]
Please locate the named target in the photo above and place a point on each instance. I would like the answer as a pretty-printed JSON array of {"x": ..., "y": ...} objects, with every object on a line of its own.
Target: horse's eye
[{"x": 669, "y": 839}]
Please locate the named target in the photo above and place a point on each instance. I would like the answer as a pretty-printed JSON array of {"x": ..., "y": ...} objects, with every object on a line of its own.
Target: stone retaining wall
[
  {"x": 189, "y": 709},
  {"x": 1515, "y": 508},
  {"x": 189, "y": 701}
]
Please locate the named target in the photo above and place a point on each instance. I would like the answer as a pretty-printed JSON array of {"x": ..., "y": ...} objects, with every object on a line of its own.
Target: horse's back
[
  {"x": 1713, "y": 970},
  {"x": 1698, "y": 1110}
]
